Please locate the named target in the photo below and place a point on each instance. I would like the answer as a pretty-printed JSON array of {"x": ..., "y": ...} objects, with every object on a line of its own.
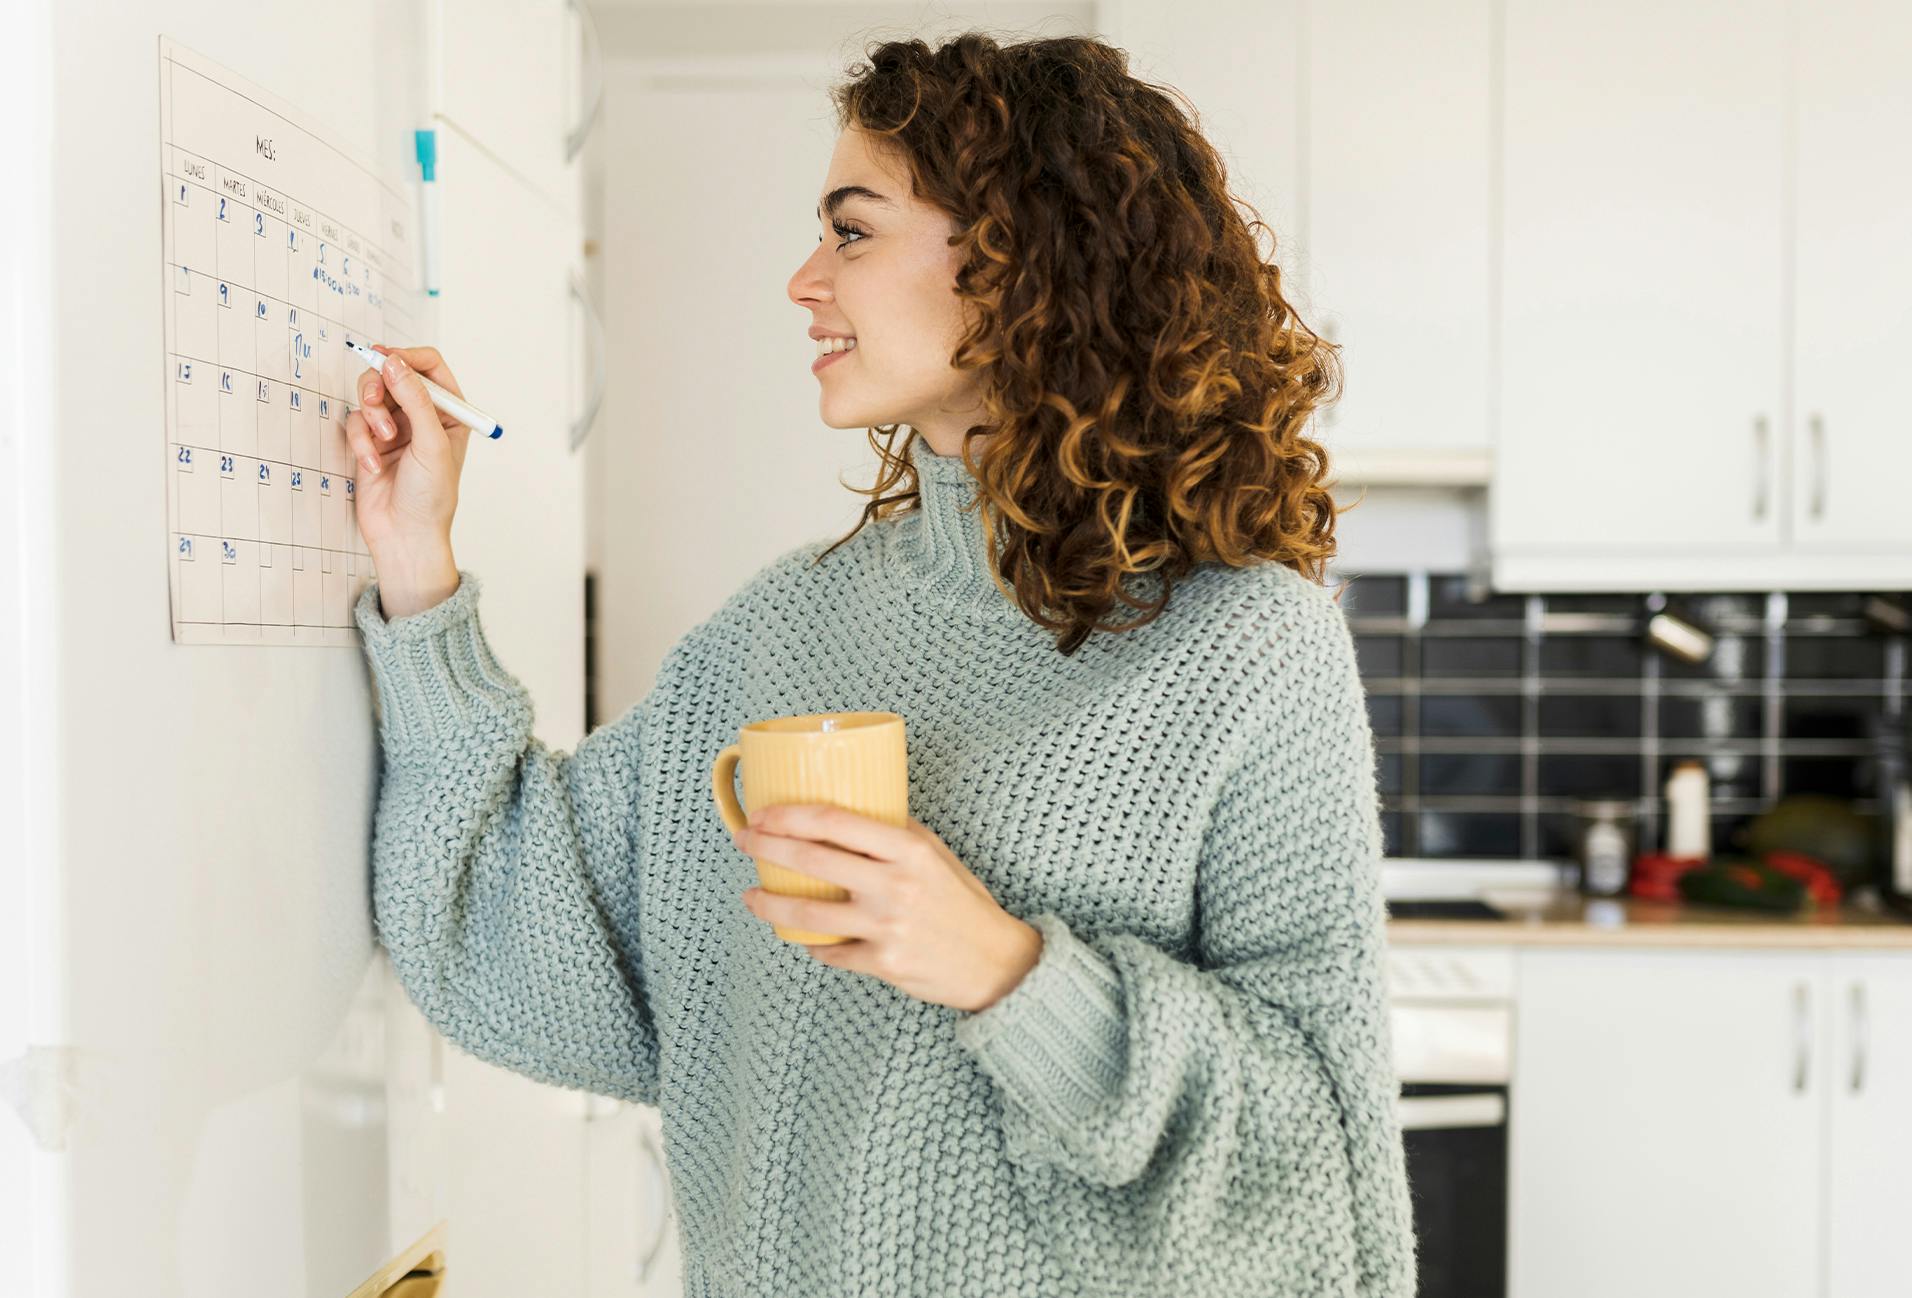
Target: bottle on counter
[
  {"x": 1689, "y": 823},
  {"x": 1604, "y": 845}
]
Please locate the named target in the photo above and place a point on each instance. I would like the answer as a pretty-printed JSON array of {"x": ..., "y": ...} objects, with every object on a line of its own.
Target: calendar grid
[{"x": 263, "y": 286}]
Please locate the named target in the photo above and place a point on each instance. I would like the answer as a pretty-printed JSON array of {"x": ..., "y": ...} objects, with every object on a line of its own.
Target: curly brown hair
[{"x": 1146, "y": 385}]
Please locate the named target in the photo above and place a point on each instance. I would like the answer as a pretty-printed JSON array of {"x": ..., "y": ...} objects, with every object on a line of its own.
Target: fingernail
[
  {"x": 371, "y": 465},
  {"x": 395, "y": 367},
  {"x": 387, "y": 426}
]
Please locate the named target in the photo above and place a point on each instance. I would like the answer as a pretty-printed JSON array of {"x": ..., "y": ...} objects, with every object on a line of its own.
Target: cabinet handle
[
  {"x": 1858, "y": 1037},
  {"x": 1802, "y": 1036},
  {"x": 582, "y": 427},
  {"x": 574, "y": 138},
  {"x": 1817, "y": 425},
  {"x": 1762, "y": 458}
]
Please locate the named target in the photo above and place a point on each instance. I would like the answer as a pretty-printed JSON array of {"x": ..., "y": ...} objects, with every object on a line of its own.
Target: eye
[{"x": 845, "y": 230}]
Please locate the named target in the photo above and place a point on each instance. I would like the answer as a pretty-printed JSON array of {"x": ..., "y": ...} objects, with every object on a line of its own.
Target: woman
[{"x": 1112, "y": 1020}]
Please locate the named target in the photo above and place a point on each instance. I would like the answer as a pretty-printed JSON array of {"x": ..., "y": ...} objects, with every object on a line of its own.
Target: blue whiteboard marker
[{"x": 458, "y": 408}]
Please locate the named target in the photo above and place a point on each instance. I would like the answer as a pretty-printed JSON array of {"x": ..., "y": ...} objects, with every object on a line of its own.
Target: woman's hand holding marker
[{"x": 407, "y": 492}]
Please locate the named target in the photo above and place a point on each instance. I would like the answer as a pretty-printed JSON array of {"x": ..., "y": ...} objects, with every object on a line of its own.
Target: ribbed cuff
[
  {"x": 437, "y": 679},
  {"x": 1057, "y": 1044}
]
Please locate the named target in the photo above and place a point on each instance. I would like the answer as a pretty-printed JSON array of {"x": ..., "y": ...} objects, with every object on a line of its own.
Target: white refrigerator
[{"x": 210, "y": 1082}]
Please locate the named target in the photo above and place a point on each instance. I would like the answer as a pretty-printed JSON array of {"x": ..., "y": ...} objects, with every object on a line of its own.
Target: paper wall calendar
[{"x": 279, "y": 244}]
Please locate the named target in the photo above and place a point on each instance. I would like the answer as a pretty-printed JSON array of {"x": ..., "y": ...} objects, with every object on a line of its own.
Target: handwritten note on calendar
[{"x": 280, "y": 243}]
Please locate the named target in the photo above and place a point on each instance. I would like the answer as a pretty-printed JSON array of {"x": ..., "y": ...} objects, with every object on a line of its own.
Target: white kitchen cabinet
[
  {"x": 1660, "y": 1141},
  {"x": 1867, "y": 1083},
  {"x": 1703, "y": 287},
  {"x": 1364, "y": 143},
  {"x": 1643, "y": 238},
  {"x": 1852, "y": 434},
  {"x": 517, "y": 77},
  {"x": 1397, "y": 231},
  {"x": 516, "y": 1176},
  {"x": 1687, "y": 1122}
]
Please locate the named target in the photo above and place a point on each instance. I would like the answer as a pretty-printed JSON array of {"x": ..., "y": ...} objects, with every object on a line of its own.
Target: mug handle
[{"x": 723, "y": 784}]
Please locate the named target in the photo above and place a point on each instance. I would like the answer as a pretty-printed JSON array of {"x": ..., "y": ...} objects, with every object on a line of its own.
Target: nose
[{"x": 810, "y": 285}]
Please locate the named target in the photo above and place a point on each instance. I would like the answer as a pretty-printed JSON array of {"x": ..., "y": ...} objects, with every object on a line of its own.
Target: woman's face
[{"x": 884, "y": 273}]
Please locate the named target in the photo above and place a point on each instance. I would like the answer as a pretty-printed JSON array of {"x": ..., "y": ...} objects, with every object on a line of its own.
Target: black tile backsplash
[
  {"x": 1470, "y": 655},
  {"x": 1494, "y": 713},
  {"x": 1590, "y": 716},
  {"x": 1470, "y": 714}
]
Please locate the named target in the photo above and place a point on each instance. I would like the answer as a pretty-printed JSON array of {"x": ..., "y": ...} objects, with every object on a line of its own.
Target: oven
[{"x": 1451, "y": 1009}]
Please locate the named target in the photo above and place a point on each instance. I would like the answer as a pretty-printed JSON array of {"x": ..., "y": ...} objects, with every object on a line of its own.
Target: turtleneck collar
[{"x": 941, "y": 541}]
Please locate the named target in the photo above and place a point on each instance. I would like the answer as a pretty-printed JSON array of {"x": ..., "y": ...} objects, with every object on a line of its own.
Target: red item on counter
[
  {"x": 1655, "y": 875},
  {"x": 1822, "y": 885}
]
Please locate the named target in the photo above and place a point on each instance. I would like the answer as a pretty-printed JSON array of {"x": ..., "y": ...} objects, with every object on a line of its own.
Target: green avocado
[
  {"x": 1744, "y": 884},
  {"x": 1824, "y": 828}
]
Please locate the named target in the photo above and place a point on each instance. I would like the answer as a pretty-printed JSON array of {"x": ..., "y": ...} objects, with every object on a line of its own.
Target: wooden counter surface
[{"x": 1574, "y": 920}]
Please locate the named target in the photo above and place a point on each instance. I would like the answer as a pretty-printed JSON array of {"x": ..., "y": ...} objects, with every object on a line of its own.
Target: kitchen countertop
[{"x": 1570, "y": 919}]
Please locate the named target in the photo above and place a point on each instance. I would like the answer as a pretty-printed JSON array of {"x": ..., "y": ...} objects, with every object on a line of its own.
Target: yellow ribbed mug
[{"x": 855, "y": 760}]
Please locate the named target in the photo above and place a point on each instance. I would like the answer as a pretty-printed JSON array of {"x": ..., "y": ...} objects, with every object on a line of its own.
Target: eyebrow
[{"x": 838, "y": 196}]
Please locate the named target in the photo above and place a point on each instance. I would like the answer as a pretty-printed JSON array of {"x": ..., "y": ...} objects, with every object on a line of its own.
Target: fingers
[
  {"x": 408, "y": 390},
  {"x": 359, "y": 438},
  {"x": 371, "y": 400}
]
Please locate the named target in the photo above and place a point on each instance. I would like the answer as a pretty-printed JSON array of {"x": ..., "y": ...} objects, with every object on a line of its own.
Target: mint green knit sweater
[{"x": 1192, "y": 1092}]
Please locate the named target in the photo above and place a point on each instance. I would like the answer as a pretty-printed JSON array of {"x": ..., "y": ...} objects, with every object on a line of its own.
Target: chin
[{"x": 843, "y": 415}]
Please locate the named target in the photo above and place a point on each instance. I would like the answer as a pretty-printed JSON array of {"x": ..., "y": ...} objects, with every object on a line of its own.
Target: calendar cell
[
  {"x": 201, "y": 579},
  {"x": 275, "y": 586},
  {"x": 196, "y": 498},
  {"x": 269, "y": 337},
  {"x": 338, "y": 368},
  {"x": 189, "y": 225},
  {"x": 305, "y": 510},
  {"x": 270, "y": 260},
  {"x": 335, "y": 452},
  {"x": 303, "y": 444},
  {"x": 238, "y": 412},
  {"x": 335, "y": 508},
  {"x": 237, "y": 304},
  {"x": 233, "y": 255},
  {"x": 239, "y": 502},
  {"x": 275, "y": 505},
  {"x": 195, "y": 416},
  {"x": 195, "y": 319},
  {"x": 301, "y": 268},
  {"x": 240, "y": 589},
  {"x": 288, "y": 448},
  {"x": 275, "y": 414}
]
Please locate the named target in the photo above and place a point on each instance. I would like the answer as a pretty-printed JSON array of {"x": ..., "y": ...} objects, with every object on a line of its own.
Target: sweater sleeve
[
  {"x": 495, "y": 859},
  {"x": 1239, "y": 1114}
]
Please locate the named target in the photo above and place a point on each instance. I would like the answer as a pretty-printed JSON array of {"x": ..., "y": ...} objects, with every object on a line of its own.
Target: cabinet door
[
  {"x": 506, "y": 330},
  {"x": 1664, "y": 1134},
  {"x": 508, "y": 73},
  {"x": 1643, "y": 336},
  {"x": 1869, "y": 1097},
  {"x": 1852, "y": 434},
  {"x": 1397, "y": 228},
  {"x": 1253, "y": 121},
  {"x": 515, "y": 1208}
]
